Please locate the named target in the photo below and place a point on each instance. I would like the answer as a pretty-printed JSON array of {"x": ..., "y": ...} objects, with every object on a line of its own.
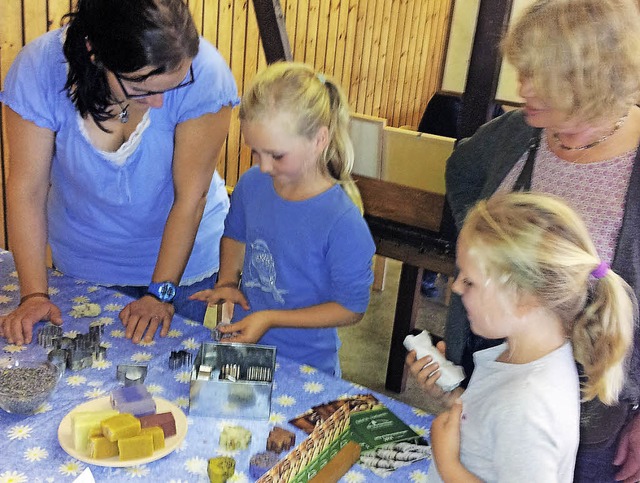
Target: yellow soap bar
[
  {"x": 85, "y": 423},
  {"x": 157, "y": 434},
  {"x": 120, "y": 426},
  {"x": 101, "y": 448},
  {"x": 136, "y": 447},
  {"x": 220, "y": 468}
]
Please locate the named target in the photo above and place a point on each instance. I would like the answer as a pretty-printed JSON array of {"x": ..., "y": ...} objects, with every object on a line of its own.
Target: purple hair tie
[{"x": 601, "y": 270}]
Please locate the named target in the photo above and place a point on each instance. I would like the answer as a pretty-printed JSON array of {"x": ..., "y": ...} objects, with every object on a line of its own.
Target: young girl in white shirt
[{"x": 529, "y": 273}]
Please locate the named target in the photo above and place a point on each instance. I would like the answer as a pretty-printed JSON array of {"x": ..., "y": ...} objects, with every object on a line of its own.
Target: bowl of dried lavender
[{"x": 26, "y": 385}]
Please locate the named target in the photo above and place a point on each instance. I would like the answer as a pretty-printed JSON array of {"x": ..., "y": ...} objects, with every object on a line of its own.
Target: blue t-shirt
[
  {"x": 299, "y": 254},
  {"x": 105, "y": 220}
]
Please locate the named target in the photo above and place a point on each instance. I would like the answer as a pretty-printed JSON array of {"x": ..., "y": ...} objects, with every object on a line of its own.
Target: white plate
[{"x": 162, "y": 406}]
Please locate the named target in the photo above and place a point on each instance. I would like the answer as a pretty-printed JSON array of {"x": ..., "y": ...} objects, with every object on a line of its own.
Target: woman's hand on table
[
  {"x": 17, "y": 326},
  {"x": 142, "y": 318},
  {"x": 426, "y": 373}
]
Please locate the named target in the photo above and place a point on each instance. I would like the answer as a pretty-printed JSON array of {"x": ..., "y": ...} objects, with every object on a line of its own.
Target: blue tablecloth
[{"x": 29, "y": 448}]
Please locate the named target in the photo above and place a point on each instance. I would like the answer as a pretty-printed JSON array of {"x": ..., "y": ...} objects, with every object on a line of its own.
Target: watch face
[
  {"x": 167, "y": 292},
  {"x": 164, "y": 291}
]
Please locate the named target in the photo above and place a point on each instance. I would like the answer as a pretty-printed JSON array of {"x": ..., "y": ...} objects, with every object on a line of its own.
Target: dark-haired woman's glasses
[{"x": 188, "y": 81}]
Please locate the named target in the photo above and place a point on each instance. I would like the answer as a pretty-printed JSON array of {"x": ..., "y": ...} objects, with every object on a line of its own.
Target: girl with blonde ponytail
[
  {"x": 530, "y": 274},
  {"x": 295, "y": 231}
]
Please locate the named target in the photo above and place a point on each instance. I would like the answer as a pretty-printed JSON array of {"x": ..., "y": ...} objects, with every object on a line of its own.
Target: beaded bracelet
[{"x": 34, "y": 294}]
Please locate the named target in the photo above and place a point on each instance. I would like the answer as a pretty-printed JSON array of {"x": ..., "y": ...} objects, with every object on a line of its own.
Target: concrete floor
[{"x": 365, "y": 346}]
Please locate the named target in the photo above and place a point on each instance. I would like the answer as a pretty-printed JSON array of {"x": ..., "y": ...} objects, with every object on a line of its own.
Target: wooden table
[{"x": 407, "y": 225}]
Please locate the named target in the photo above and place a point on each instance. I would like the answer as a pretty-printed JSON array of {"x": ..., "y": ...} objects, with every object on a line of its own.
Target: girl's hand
[
  {"x": 249, "y": 330},
  {"x": 221, "y": 294},
  {"x": 142, "y": 318},
  {"x": 427, "y": 374},
  {"x": 445, "y": 445},
  {"x": 17, "y": 326}
]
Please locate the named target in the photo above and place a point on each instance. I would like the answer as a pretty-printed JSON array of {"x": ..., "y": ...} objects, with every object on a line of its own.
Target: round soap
[{"x": 260, "y": 463}]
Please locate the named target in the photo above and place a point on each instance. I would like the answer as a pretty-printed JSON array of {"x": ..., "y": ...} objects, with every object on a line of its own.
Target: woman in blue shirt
[{"x": 115, "y": 123}]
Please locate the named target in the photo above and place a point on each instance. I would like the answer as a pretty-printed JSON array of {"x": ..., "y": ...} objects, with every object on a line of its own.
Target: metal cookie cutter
[
  {"x": 48, "y": 334},
  {"x": 130, "y": 374},
  {"x": 79, "y": 359},
  {"x": 181, "y": 358},
  {"x": 58, "y": 357}
]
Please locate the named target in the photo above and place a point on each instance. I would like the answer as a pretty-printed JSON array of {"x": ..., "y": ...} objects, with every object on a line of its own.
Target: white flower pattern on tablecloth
[
  {"x": 286, "y": 400},
  {"x": 183, "y": 377},
  {"x": 101, "y": 365},
  {"x": 419, "y": 430},
  {"x": 20, "y": 431},
  {"x": 192, "y": 323},
  {"x": 43, "y": 408},
  {"x": 106, "y": 345},
  {"x": 93, "y": 289},
  {"x": 238, "y": 477},
  {"x": 80, "y": 299},
  {"x": 76, "y": 380},
  {"x": 196, "y": 466},
  {"x": 181, "y": 402},
  {"x": 5, "y": 300},
  {"x": 105, "y": 321},
  {"x": 418, "y": 476},
  {"x": 354, "y": 477},
  {"x": 313, "y": 387},
  {"x": 13, "y": 477},
  {"x": 420, "y": 412},
  {"x": 141, "y": 357},
  {"x": 305, "y": 369},
  {"x": 113, "y": 307},
  {"x": 277, "y": 418},
  {"x": 71, "y": 468},
  {"x": 147, "y": 343},
  {"x": 174, "y": 333},
  {"x": 137, "y": 471},
  {"x": 190, "y": 343},
  {"x": 71, "y": 334},
  {"x": 11, "y": 287},
  {"x": 155, "y": 389},
  {"x": 35, "y": 453},
  {"x": 95, "y": 393},
  {"x": 117, "y": 334}
]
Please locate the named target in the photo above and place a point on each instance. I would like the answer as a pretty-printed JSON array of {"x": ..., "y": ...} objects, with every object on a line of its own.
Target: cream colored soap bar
[
  {"x": 101, "y": 448},
  {"x": 136, "y": 447},
  {"x": 120, "y": 426},
  {"x": 86, "y": 423}
]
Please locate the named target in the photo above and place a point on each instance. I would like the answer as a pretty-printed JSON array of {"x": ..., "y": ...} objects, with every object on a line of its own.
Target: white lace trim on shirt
[{"x": 120, "y": 156}]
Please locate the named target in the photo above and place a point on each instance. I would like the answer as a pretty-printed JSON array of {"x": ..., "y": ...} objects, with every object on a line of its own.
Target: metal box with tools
[{"x": 232, "y": 381}]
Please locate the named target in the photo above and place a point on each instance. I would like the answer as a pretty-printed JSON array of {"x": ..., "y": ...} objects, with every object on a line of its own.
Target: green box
[{"x": 379, "y": 426}]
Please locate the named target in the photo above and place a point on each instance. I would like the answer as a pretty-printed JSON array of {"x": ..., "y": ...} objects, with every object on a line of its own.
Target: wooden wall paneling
[
  {"x": 35, "y": 19},
  {"x": 55, "y": 10},
  {"x": 401, "y": 55},
  {"x": 299, "y": 49},
  {"x": 196, "y": 7},
  {"x": 239, "y": 43},
  {"x": 251, "y": 61},
  {"x": 312, "y": 32},
  {"x": 224, "y": 45},
  {"x": 341, "y": 39},
  {"x": 389, "y": 65},
  {"x": 378, "y": 81},
  {"x": 210, "y": 20},
  {"x": 409, "y": 81},
  {"x": 364, "y": 51},
  {"x": 291, "y": 18},
  {"x": 323, "y": 35},
  {"x": 347, "y": 66},
  {"x": 333, "y": 14},
  {"x": 357, "y": 47},
  {"x": 369, "y": 56},
  {"x": 422, "y": 47},
  {"x": 394, "y": 86}
]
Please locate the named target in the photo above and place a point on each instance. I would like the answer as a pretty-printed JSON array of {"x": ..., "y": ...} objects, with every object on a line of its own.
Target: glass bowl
[{"x": 26, "y": 385}]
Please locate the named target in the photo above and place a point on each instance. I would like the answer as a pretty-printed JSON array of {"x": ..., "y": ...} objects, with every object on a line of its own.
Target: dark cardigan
[{"x": 475, "y": 170}]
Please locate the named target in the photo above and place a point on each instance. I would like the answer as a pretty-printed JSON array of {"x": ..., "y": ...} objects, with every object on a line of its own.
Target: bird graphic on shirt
[{"x": 262, "y": 270}]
